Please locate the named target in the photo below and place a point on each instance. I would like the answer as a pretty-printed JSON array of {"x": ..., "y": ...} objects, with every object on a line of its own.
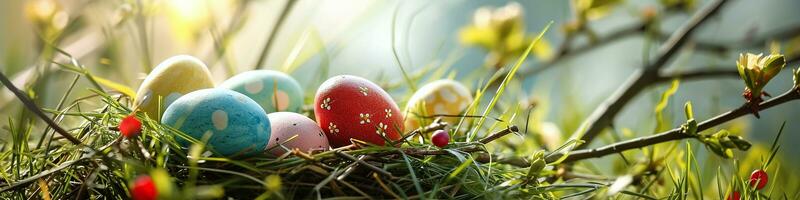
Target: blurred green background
[{"x": 355, "y": 37}]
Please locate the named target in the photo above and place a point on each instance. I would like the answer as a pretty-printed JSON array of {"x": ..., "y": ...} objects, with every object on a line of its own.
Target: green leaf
[
  {"x": 662, "y": 104},
  {"x": 116, "y": 86},
  {"x": 772, "y": 66}
]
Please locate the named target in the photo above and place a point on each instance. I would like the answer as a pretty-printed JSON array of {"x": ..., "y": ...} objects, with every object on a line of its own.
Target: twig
[
  {"x": 510, "y": 160},
  {"x": 499, "y": 134},
  {"x": 639, "y": 80},
  {"x": 476, "y": 147},
  {"x": 708, "y": 72},
  {"x": 698, "y": 74},
  {"x": 36, "y": 110},
  {"x": 565, "y": 52},
  {"x": 674, "y": 134},
  {"x": 287, "y": 8},
  {"x": 436, "y": 125},
  {"x": 362, "y": 162},
  {"x": 671, "y": 135},
  {"x": 350, "y": 168}
]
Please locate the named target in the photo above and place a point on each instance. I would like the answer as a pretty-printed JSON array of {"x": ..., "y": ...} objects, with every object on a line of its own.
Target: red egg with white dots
[{"x": 353, "y": 107}]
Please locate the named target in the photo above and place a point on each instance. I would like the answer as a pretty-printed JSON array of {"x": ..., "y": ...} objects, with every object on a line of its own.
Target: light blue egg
[
  {"x": 261, "y": 85},
  {"x": 237, "y": 124}
]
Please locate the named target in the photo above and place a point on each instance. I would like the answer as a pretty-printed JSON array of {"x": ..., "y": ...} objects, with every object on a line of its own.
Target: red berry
[
  {"x": 440, "y": 138},
  {"x": 143, "y": 188},
  {"x": 734, "y": 196},
  {"x": 130, "y": 126},
  {"x": 760, "y": 177}
]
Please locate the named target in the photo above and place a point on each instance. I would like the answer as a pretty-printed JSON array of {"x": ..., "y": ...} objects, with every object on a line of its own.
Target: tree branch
[
  {"x": 565, "y": 52},
  {"x": 642, "y": 78},
  {"x": 675, "y": 134},
  {"x": 709, "y": 72},
  {"x": 699, "y": 74}
]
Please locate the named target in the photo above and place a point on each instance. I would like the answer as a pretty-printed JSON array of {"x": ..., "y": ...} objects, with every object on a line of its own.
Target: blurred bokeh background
[{"x": 121, "y": 39}]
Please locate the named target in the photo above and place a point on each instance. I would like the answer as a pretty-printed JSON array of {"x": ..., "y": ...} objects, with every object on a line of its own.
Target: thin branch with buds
[
  {"x": 671, "y": 135},
  {"x": 677, "y": 133},
  {"x": 642, "y": 78}
]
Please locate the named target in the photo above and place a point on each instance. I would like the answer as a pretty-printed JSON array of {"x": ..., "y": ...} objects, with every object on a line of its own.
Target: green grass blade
[{"x": 505, "y": 82}]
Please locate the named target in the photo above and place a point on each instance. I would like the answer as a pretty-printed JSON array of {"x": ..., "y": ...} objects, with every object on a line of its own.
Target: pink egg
[
  {"x": 351, "y": 107},
  {"x": 286, "y": 125}
]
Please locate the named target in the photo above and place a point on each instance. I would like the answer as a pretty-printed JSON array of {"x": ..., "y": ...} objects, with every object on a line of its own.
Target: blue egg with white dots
[
  {"x": 275, "y": 91},
  {"x": 237, "y": 125}
]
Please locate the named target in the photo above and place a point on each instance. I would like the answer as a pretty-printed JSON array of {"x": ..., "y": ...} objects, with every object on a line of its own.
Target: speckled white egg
[
  {"x": 237, "y": 125},
  {"x": 273, "y": 90},
  {"x": 171, "y": 79},
  {"x": 285, "y": 125},
  {"x": 441, "y": 97}
]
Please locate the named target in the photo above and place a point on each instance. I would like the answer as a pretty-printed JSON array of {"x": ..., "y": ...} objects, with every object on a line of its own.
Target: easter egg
[
  {"x": 237, "y": 125},
  {"x": 273, "y": 90},
  {"x": 300, "y": 131},
  {"x": 353, "y": 107},
  {"x": 441, "y": 97},
  {"x": 171, "y": 79}
]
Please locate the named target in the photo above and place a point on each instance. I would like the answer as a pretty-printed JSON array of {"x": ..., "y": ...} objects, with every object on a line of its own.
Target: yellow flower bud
[{"x": 757, "y": 71}]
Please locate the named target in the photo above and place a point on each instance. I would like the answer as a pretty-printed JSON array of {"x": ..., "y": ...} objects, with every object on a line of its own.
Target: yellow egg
[
  {"x": 172, "y": 78},
  {"x": 441, "y": 97}
]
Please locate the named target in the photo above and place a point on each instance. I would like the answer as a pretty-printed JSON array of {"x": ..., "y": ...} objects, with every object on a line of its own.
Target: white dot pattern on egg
[
  {"x": 169, "y": 80},
  {"x": 273, "y": 90},
  {"x": 285, "y": 125},
  {"x": 441, "y": 97},
  {"x": 220, "y": 119}
]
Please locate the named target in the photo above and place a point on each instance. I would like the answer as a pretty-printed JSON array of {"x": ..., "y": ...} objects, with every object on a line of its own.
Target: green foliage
[{"x": 36, "y": 163}]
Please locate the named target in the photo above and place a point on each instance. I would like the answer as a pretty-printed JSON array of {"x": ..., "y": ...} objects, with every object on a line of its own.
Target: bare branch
[{"x": 642, "y": 78}]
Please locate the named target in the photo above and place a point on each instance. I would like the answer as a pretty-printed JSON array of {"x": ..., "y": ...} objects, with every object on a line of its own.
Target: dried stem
[
  {"x": 494, "y": 136},
  {"x": 362, "y": 162}
]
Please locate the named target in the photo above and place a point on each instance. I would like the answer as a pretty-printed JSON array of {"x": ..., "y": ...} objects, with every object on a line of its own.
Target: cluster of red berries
[{"x": 758, "y": 180}]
